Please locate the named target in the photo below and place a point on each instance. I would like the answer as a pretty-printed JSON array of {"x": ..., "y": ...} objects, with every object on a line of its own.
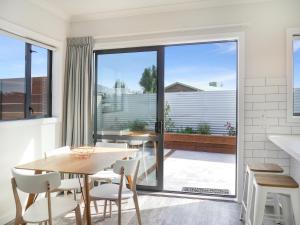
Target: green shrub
[
  {"x": 169, "y": 124},
  {"x": 137, "y": 125},
  {"x": 186, "y": 130},
  {"x": 203, "y": 128}
]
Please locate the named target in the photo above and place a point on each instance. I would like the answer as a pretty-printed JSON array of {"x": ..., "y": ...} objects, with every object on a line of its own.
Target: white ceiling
[{"x": 77, "y": 10}]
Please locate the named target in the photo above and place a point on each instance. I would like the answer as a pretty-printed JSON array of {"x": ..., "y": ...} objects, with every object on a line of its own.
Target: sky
[
  {"x": 195, "y": 65},
  {"x": 12, "y": 59},
  {"x": 297, "y": 63}
]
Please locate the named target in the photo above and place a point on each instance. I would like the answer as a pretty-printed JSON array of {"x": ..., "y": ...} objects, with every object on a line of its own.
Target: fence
[
  {"x": 187, "y": 109},
  {"x": 12, "y": 97}
]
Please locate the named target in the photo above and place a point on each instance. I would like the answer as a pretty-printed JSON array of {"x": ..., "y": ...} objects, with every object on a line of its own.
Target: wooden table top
[{"x": 76, "y": 163}]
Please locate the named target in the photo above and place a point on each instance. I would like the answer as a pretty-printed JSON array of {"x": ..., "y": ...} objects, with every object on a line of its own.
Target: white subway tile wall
[{"x": 266, "y": 113}]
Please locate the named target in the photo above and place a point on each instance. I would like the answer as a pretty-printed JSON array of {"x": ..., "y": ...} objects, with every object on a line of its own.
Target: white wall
[
  {"x": 264, "y": 25},
  {"x": 23, "y": 141}
]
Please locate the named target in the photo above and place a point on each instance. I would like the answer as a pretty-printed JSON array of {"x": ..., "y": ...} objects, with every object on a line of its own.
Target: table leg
[{"x": 87, "y": 200}]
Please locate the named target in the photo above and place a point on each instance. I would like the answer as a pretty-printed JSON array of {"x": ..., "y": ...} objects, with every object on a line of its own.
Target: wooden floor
[{"x": 170, "y": 211}]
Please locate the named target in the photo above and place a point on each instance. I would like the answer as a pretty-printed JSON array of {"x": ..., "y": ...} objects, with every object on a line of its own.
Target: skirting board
[{"x": 4, "y": 219}]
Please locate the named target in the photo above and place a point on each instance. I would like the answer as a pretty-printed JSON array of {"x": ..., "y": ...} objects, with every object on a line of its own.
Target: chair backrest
[
  {"x": 111, "y": 145},
  {"x": 36, "y": 183},
  {"x": 58, "y": 151},
  {"x": 130, "y": 167}
]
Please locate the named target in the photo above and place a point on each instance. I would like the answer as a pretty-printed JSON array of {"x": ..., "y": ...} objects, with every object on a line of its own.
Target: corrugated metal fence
[
  {"x": 187, "y": 109},
  {"x": 215, "y": 108}
]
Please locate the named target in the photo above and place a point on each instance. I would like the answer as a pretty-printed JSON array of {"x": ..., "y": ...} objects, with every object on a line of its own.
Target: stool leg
[
  {"x": 286, "y": 209},
  {"x": 249, "y": 195},
  {"x": 244, "y": 198},
  {"x": 295, "y": 199},
  {"x": 276, "y": 207},
  {"x": 259, "y": 205}
]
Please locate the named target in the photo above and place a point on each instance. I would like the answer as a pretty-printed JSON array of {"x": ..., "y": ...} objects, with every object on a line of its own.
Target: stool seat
[
  {"x": 270, "y": 180},
  {"x": 265, "y": 167}
]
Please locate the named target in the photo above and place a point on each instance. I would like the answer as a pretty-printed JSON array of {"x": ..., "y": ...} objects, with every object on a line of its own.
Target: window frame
[
  {"x": 27, "y": 77},
  {"x": 292, "y": 34}
]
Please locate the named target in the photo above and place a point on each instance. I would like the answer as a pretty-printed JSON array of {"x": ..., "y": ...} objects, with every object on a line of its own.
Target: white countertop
[{"x": 288, "y": 143}]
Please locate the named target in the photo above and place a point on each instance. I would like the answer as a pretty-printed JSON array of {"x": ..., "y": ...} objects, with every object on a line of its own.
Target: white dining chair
[
  {"x": 67, "y": 184},
  {"x": 44, "y": 209},
  {"x": 106, "y": 175},
  {"x": 127, "y": 169}
]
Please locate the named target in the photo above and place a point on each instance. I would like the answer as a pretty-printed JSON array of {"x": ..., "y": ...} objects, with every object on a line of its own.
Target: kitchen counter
[{"x": 288, "y": 143}]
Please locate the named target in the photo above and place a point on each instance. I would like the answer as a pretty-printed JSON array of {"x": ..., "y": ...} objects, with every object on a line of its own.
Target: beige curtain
[{"x": 77, "y": 126}]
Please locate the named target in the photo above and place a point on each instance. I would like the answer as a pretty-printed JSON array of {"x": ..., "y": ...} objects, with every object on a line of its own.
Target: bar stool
[
  {"x": 276, "y": 184},
  {"x": 255, "y": 168}
]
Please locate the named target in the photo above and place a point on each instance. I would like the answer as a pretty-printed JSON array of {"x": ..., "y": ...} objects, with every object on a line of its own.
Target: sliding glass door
[{"x": 129, "y": 106}]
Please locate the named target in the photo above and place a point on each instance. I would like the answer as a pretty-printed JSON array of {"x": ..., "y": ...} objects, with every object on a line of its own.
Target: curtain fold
[{"x": 77, "y": 125}]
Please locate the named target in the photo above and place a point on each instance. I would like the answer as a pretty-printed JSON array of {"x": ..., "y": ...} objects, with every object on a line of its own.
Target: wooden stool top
[
  {"x": 271, "y": 180},
  {"x": 265, "y": 167}
]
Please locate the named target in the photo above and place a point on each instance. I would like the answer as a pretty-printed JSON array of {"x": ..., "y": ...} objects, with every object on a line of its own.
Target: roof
[{"x": 180, "y": 87}]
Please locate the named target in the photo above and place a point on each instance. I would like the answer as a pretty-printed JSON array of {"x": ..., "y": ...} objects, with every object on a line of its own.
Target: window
[
  {"x": 296, "y": 76},
  {"x": 25, "y": 80}
]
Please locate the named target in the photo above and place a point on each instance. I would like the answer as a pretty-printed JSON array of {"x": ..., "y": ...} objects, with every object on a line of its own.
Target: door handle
[{"x": 159, "y": 127}]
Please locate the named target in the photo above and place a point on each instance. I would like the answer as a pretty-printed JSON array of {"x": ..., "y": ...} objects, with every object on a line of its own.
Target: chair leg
[
  {"x": 296, "y": 206},
  {"x": 110, "y": 208},
  {"x": 104, "y": 210},
  {"x": 84, "y": 216},
  {"x": 137, "y": 208},
  {"x": 74, "y": 194},
  {"x": 259, "y": 206},
  {"x": 78, "y": 215},
  {"x": 118, "y": 203},
  {"x": 96, "y": 206},
  {"x": 17, "y": 221}
]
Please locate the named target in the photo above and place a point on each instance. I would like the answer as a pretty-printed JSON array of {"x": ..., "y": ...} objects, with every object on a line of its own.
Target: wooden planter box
[{"x": 201, "y": 143}]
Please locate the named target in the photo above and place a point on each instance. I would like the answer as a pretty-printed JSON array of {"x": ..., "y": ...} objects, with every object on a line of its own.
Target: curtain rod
[{"x": 27, "y": 39}]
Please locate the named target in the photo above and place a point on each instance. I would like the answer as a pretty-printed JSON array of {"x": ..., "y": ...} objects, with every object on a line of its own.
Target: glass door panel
[{"x": 127, "y": 106}]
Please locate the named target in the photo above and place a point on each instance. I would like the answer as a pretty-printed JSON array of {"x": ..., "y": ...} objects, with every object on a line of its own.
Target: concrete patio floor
[{"x": 200, "y": 170}]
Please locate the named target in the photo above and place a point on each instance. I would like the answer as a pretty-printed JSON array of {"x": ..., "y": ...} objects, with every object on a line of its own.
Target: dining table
[{"x": 84, "y": 161}]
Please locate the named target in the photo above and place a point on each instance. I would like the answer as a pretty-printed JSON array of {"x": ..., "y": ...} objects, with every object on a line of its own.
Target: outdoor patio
[{"x": 194, "y": 169}]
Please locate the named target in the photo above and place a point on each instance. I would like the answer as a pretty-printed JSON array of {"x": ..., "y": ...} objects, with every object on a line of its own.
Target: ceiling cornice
[
  {"x": 192, "y": 5},
  {"x": 189, "y": 5}
]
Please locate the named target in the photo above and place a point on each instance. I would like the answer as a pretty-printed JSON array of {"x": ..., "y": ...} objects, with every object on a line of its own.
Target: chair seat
[
  {"x": 109, "y": 192},
  {"x": 105, "y": 175},
  {"x": 70, "y": 184},
  {"x": 38, "y": 211}
]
